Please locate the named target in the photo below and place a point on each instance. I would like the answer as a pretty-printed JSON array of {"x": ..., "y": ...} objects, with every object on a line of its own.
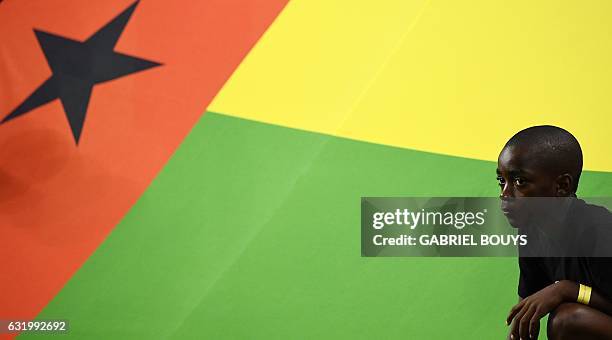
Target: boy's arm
[
  {"x": 570, "y": 290},
  {"x": 526, "y": 315}
]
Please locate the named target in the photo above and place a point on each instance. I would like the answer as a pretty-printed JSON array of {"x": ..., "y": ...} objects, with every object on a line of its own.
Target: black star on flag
[{"x": 77, "y": 66}]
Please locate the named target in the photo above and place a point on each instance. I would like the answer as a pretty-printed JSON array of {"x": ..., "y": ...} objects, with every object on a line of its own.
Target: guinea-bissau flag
[{"x": 193, "y": 169}]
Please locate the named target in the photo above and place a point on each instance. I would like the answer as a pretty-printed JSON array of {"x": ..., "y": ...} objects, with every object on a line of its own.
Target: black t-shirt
[{"x": 539, "y": 272}]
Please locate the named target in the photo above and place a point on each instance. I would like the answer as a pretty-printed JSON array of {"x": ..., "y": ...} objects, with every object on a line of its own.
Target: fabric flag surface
[{"x": 194, "y": 169}]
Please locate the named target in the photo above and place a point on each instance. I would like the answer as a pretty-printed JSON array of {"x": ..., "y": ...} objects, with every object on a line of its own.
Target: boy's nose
[{"x": 507, "y": 191}]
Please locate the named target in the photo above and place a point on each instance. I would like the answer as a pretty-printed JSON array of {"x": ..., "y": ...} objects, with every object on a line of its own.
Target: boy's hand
[{"x": 529, "y": 311}]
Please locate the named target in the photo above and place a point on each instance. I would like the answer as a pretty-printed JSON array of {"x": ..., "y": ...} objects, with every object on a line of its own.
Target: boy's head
[{"x": 540, "y": 161}]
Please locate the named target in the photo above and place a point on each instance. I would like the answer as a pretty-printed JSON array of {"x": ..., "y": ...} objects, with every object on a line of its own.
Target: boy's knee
[{"x": 566, "y": 321}]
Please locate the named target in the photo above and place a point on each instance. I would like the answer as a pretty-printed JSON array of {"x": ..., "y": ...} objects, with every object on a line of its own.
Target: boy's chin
[{"x": 516, "y": 221}]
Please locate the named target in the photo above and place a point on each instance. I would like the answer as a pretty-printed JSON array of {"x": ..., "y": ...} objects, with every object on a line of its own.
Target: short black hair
[{"x": 555, "y": 147}]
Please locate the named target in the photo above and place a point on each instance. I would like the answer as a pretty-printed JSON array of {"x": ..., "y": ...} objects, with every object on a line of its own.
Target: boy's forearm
[{"x": 570, "y": 289}]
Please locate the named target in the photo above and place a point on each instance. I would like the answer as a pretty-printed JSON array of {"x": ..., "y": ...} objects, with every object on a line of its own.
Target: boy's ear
[{"x": 565, "y": 185}]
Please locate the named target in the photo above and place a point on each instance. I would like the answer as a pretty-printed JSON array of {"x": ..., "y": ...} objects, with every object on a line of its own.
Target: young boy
[{"x": 546, "y": 161}]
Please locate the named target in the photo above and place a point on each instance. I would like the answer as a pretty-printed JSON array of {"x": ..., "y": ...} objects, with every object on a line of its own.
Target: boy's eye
[
  {"x": 501, "y": 180},
  {"x": 519, "y": 181}
]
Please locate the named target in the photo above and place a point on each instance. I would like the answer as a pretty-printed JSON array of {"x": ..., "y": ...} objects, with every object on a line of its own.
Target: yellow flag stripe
[{"x": 450, "y": 77}]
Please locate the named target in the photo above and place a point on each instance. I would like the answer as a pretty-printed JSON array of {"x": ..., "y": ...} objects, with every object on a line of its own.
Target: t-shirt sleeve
[{"x": 531, "y": 277}]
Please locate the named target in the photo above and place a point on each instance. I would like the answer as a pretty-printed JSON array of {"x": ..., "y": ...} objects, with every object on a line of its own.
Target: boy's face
[{"x": 520, "y": 174}]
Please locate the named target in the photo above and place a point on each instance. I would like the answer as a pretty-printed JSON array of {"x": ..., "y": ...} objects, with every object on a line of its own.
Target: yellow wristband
[{"x": 584, "y": 294}]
